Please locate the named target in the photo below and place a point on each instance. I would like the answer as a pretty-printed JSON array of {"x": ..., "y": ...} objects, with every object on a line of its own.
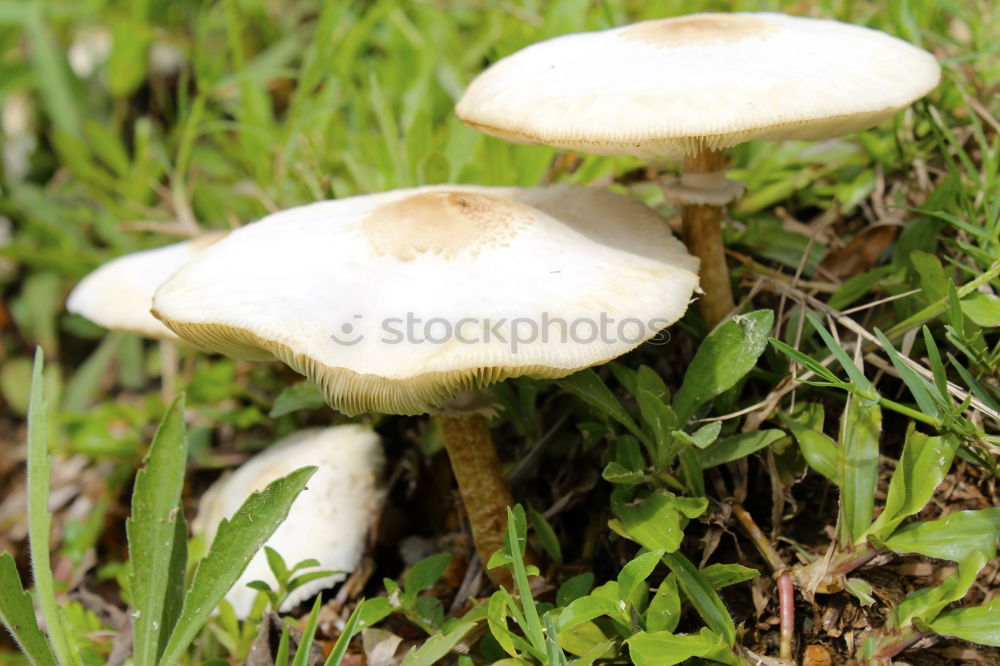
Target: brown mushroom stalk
[
  {"x": 702, "y": 233},
  {"x": 484, "y": 489}
]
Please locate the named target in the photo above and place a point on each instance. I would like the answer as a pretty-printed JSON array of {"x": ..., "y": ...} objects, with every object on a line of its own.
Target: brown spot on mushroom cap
[
  {"x": 442, "y": 223},
  {"x": 697, "y": 29}
]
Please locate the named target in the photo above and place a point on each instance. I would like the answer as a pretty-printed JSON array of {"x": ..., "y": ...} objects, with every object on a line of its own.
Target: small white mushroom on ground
[
  {"x": 688, "y": 87},
  {"x": 119, "y": 294},
  {"x": 328, "y": 522}
]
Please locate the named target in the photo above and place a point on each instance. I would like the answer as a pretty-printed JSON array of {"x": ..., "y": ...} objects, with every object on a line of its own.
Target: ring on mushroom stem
[
  {"x": 688, "y": 87},
  {"x": 398, "y": 302}
]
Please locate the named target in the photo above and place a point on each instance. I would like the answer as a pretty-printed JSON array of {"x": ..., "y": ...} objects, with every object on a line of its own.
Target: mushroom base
[{"x": 484, "y": 488}]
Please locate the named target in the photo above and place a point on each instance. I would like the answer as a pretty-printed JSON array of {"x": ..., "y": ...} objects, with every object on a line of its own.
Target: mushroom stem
[
  {"x": 703, "y": 236},
  {"x": 481, "y": 481}
]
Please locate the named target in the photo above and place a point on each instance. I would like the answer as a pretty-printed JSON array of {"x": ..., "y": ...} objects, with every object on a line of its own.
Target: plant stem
[
  {"x": 484, "y": 489},
  {"x": 786, "y": 585},
  {"x": 786, "y": 605},
  {"x": 759, "y": 539},
  {"x": 897, "y": 643},
  {"x": 703, "y": 237}
]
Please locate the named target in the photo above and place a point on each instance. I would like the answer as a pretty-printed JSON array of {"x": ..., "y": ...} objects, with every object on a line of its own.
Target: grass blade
[
  {"x": 350, "y": 629},
  {"x": 39, "y": 520},
  {"x": 235, "y": 544},
  {"x": 17, "y": 612},
  {"x": 304, "y": 648},
  {"x": 154, "y": 546},
  {"x": 703, "y": 597}
]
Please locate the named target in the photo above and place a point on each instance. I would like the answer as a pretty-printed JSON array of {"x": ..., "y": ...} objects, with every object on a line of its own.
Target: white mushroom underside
[
  {"x": 674, "y": 86},
  {"x": 294, "y": 280},
  {"x": 328, "y": 521}
]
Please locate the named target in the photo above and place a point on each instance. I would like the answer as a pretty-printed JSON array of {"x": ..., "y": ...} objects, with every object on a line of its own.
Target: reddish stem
[{"x": 786, "y": 603}]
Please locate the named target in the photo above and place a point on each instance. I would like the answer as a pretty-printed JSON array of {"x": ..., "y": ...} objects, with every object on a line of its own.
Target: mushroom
[
  {"x": 407, "y": 302},
  {"x": 689, "y": 87},
  {"x": 328, "y": 522},
  {"x": 118, "y": 294}
]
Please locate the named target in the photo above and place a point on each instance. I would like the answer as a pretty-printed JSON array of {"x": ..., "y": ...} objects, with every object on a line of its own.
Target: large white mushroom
[
  {"x": 399, "y": 302},
  {"x": 689, "y": 87},
  {"x": 328, "y": 522}
]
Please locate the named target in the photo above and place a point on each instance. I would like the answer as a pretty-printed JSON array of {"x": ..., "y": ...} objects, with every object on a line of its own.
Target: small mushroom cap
[
  {"x": 118, "y": 294},
  {"x": 396, "y": 302},
  {"x": 672, "y": 87},
  {"x": 328, "y": 521}
]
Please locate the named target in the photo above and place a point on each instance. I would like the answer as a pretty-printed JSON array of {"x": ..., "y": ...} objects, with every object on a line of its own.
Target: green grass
[{"x": 277, "y": 104}]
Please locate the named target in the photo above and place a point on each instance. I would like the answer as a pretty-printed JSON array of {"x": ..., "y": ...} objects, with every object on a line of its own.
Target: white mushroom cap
[
  {"x": 328, "y": 521},
  {"x": 671, "y": 87},
  {"x": 118, "y": 295},
  {"x": 328, "y": 289}
]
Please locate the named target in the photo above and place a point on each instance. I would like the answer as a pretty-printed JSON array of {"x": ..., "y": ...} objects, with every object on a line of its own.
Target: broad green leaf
[
  {"x": 586, "y": 609},
  {"x": 661, "y": 421},
  {"x": 588, "y": 641},
  {"x": 933, "y": 280},
  {"x": 374, "y": 611},
  {"x": 704, "y": 599},
  {"x": 663, "y": 648},
  {"x": 303, "y": 395},
  {"x": 235, "y": 544},
  {"x": 694, "y": 477},
  {"x": 545, "y": 534},
  {"x": 587, "y": 386},
  {"x": 724, "y": 575},
  {"x": 924, "y": 463},
  {"x": 39, "y": 519},
  {"x": 574, "y": 588},
  {"x": 953, "y": 537},
  {"x": 646, "y": 379},
  {"x": 977, "y": 624},
  {"x": 18, "y": 614},
  {"x": 726, "y": 354},
  {"x": 664, "y": 611},
  {"x": 636, "y": 572},
  {"x": 857, "y": 466},
  {"x": 423, "y": 574},
  {"x": 982, "y": 309},
  {"x": 926, "y": 603},
  {"x": 738, "y": 446},
  {"x": 657, "y": 522},
  {"x": 615, "y": 473},
  {"x": 157, "y": 558},
  {"x": 435, "y": 648},
  {"x": 820, "y": 451},
  {"x": 703, "y": 437}
]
